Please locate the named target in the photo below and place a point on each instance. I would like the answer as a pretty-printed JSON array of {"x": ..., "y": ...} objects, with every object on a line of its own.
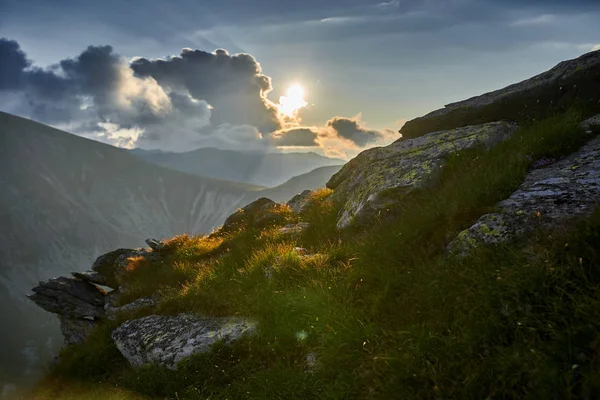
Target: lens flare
[{"x": 292, "y": 102}]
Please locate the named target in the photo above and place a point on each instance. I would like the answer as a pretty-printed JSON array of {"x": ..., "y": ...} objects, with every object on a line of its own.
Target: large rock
[
  {"x": 72, "y": 298},
  {"x": 75, "y": 331},
  {"x": 570, "y": 83},
  {"x": 166, "y": 340},
  {"x": 92, "y": 277},
  {"x": 379, "y": 177},
  {"x": 136, "y": 305},
  {"x": 259, "y": 214},
  {"x": 549, "y": 196},
  {"x": 109, "y": 265},
  {"x": 300, "y": 202}
]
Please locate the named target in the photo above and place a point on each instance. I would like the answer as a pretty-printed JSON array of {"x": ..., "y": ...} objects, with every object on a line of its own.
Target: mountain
[
  {"x": 65, "y": 200},
  {"x": 266, "y": 169}
]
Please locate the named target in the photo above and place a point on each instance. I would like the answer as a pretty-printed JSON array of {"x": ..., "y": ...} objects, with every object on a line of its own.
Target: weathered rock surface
[
  {"x": 294, "y": 229},
  {"x": 259, "y": 214},
  {"x": 154, "y": 244},
  {"x": 300, "y": 202},
  {"x": 548, "y": 196},
  {"x": 166, "y": 340},
  {"x": 364, "y": 183},
  {"x": 72, "y": 298},
  {"x": 110, "y": 264},
  {"x": 568, "y": 83},
  {"x": 92, "y": 277}
]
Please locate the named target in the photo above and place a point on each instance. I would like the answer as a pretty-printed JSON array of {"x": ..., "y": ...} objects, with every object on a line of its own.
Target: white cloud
[{"x": 542, "y": 19}]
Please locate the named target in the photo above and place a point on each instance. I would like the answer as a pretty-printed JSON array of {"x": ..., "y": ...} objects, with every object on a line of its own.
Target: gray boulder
[
  {"x": 548, "y": 197},
  {"x": 75, "y": 331},
  {"x": 166, "y": 340},
  {"x": 72, "y": 298},
  {"x": 300, "y": 202},
  {"x": 110, "y": 264},
  {"x": 144, "y": 302},
  {"x": 258, "y": 214},
  {"x": 294, "y": 229},
  {"x": 378, "y": 178},
  {"x": 92, "y": 277},
  {"x": 154, "y": 244}
]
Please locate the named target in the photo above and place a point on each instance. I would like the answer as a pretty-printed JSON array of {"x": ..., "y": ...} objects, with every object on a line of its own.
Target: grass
[{"x": 383, "y": 310}]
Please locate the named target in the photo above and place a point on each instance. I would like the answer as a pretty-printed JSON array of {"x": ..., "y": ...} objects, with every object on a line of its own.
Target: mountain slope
[
  {"x": 269, "y": 169},
  {"x": 66, "y": 199}
]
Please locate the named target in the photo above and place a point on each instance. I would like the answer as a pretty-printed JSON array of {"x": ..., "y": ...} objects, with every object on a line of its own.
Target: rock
[
  {"x": 294, "y": 229},
  {"x": 107, "y": 264},
  {"x": 92, "y": 277},
  {"x": 72, "y": 298},
  {"x": 567, "y": 84},
  {"x": 378, "y": 178},
  {"x": 548, "y": 197},
  {"x": 166, "y": 340},
  {"x": 259, "y": 214},
  {"x": 112, "y": 311},
  {"x": 591, "y": 123},
  {"x": 75, "y": 331},
  {"x": 154, "y": 244},
  {"x": 300, "y": 202}
]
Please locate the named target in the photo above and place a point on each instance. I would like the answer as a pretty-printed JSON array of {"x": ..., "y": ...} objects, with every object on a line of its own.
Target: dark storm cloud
[
  {"x": 12, "y": 63},
  {"x": 301, "y": 137},
  {"x": 350, "y": 129},
  {"x": 232, "y": 84}
]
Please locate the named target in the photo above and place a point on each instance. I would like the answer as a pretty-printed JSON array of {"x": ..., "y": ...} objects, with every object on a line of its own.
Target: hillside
[
  {"x": 271, "y": 169},
  {"x": 461, "y": 263}
]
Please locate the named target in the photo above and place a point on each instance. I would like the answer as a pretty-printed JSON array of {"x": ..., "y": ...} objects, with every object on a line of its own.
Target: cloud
[
  {"x": 349, "y": 129},
  {"x": 596, "y": 47},
  {"x": 233, "y": 85},
  {"x": 12, "y": 66},
  {"x": 300, "y": 137},
  {"x": 542, "y": 19}
]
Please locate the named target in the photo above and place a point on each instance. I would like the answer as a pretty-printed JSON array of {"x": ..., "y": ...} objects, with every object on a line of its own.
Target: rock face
[
  {"x": 70, "y": 297},
  {"x": 112, "y": 311},
  {"x": 300, "y": 202},
  {"x": 166, "y": 340},
  {"x": 75, "y": 331},
  {"x": 547, "y": 197},
  {"x": 571, "y": 82},
  {"x": 363, "y": 184}
]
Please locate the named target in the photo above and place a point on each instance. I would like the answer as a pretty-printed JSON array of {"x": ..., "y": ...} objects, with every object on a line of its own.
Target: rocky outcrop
[
  {"x": 75, "y": 331},
  {"x": 364, "y": 185},
  {"x": 166, "y": 340},
  {"x": 300, "y": 202},
  {"x": 258, "y": 214},
  {"x": 294, "y": 229},
  {"x": 549, "y": 196},
  {"x": 144, "y": 302},
  {"x": 570, "y": 83}
]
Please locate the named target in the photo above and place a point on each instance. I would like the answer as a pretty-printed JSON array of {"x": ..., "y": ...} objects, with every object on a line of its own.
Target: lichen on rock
[
  {"x": 378, "y": 178},
  {"x": 166, "y": 340}
]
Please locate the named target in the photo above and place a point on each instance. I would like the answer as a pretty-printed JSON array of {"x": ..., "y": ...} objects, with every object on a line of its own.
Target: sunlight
[{"x": 292, "y": 102}]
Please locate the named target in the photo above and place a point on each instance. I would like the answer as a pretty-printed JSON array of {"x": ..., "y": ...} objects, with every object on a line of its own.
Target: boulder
[
  {"x": 92, "y": 277},
  {"x": 548, "y": 197},
  {"x": 144, "y": 302},
  {"x": 568, "y": 84},
  {"x": 294, "y": 229},
  {"x": 300, "y": 202},
  {"x": 259, "y": 214},
  {"x": 378, "y": 178},
  {"x": 154, "y": 244},
  {"x": 166, "y": 340},
  {"x": 72, "y": 298},
  {"x": 108, "y": 264}
]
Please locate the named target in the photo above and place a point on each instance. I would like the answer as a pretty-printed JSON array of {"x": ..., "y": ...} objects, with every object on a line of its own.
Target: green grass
[{"x": 383, "y": 309}]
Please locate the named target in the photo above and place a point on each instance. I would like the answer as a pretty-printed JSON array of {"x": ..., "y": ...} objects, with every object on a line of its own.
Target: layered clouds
[{"x": 179, "y": 103}]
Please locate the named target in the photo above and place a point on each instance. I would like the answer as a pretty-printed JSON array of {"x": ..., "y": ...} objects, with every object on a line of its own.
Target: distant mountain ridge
[{"x": 264, "y": 169}]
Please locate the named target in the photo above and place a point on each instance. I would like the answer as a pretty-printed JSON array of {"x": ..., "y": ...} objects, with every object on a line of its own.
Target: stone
[
  {"x": 144, "y": 302},
  {"x": 166, "y": 340},
  {"x": 591, "y": 123},
  {"x": 92, "y": 277},
  {"x": 75, "y": 331},
  {"x": 72, "y": 298},
  {"x": 568, "y": 84},
  {"x": 548, "y": 197},
  {"x": 154, "y": 244},
  {"x": 300, "y": 202},
  {"x": 294, "y": 229},
  {"x": 108, "y": 264},
  {"x": 378, "y": 178},
  {"x": 259, "y": 214}
]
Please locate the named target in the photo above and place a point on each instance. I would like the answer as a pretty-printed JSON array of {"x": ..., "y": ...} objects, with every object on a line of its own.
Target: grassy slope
[{"x": 383, "y": 310}]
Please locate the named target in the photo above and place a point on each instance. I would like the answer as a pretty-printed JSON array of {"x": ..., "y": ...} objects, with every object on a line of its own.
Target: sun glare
[{"x": 292, "y": 101}]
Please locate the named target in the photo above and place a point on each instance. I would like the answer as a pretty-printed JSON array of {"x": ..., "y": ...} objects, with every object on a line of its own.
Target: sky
[{"x": 334, "y": 77}]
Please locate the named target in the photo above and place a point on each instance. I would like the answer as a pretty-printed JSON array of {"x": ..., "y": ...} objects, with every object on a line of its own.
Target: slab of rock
[
  {"x": 110, "y": 263},
  {"x": 548, "y": 197},
  {"x": 92, "y": 277},
  {"x": 300, "y": 202},
  {"x": 567, "y": 84},
  {"x": 72, "y": 298},
  {"x": 154, "y": 244},
  {"x": 144, "y": 302},
  {"x": 378, "y": 178},
  {"x": 166, "y": 340},
  {"x": 294, "y": 229},
  {"x": 259, "y": 214}
]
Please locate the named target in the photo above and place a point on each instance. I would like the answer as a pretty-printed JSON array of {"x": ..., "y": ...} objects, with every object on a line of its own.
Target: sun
[{"x": 292, "y": 102}]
